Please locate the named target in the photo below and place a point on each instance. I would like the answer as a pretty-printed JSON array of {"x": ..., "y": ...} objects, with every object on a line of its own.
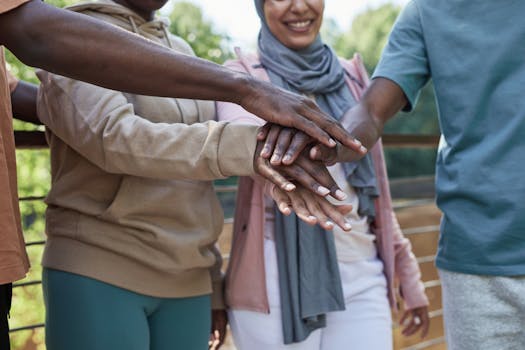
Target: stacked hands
[{"x": 295, "y": 164}]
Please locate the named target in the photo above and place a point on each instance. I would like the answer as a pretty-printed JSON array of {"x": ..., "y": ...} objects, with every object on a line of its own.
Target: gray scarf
[{"x": 309, "y": 279}]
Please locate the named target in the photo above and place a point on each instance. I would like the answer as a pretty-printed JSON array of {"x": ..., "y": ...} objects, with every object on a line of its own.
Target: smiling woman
[
  {"x": 294, "y": 23},
  {"x": 243, "y": 30},
  {"x": 285, "y": 280}
]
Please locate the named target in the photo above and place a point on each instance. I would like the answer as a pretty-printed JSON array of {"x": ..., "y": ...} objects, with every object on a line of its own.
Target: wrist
[
  {"x": 363, "y": 124},
  {"x": 244, "y": 89}
]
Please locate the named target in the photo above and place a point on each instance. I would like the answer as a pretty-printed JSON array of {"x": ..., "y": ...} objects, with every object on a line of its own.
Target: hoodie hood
[{"x": 123, "y": 17}]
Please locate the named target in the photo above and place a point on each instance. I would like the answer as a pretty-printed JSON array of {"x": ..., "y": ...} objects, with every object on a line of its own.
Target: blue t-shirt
[{"x": 474, "y": 52}]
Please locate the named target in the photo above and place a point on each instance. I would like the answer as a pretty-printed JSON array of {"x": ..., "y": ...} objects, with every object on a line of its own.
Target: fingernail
[
  {"x": 265, "y": 151},
  {"x": 289, "y": 187},
  {"x": 363, "y": 149},
  {"x": 357, "y": 142},
  {"x": 341, "y": 195},
  {"x": 329, "y": 223},
  {"x": 347, "y": 226},
  {"x": 275, "y": 159},
  {"x": 332, "y": 142},
  {"x": 311, "y": 217},
  {"x": 323, "y": 191},
  {"x": 287, "y": 158},
  {"x": 285, "y": 210}
]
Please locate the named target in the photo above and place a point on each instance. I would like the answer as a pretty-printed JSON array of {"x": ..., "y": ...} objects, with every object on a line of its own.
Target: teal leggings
[{"x": 86, "y": 314}]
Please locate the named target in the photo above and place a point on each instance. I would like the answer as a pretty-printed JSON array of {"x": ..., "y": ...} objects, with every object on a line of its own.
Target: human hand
[
  {"x": 283, "y": 144},
  {"x": 311, "y": 208},
  {"x": 414, "y": 320},
  {"x": 219, "y": 321},
  {"x": 313, "y": 175},
  {"x": 334, "y": 155},
  {"x": 285, "y": 108}
]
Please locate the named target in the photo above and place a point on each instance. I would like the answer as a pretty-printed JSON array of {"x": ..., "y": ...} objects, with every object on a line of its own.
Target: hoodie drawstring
[
  {"x": 134, "y": 25},
  {"x": 165, "y": 30}
]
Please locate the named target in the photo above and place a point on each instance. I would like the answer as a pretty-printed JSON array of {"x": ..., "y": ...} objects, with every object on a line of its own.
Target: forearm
[
  {"x": 23, "y": 102},
  {"x": 74, "y": 45},
  {"x": 407, "y": 270},
  {"x": 217, "y": 297},
  {"x": 382, "y": 100},
  {"x": 101, "y": 125}
]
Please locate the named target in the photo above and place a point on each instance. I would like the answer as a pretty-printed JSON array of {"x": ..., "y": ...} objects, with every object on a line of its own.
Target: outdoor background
[{"x": 213, "y": 28}]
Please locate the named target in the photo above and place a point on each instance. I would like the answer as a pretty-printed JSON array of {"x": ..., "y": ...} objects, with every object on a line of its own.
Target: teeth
[{"x": 299, "y": 24}]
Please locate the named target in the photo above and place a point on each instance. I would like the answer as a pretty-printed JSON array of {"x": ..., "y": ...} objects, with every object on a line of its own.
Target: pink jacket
[{"x": 245, "y": 286}]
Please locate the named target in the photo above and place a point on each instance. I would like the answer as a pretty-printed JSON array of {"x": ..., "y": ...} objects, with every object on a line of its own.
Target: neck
[{"x": 147, "y": 15}]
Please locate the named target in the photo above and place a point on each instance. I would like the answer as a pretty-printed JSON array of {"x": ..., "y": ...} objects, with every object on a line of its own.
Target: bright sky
[{"x": 239, "y": 19}]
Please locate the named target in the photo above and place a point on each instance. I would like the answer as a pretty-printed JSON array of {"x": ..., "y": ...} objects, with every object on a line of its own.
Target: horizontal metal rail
[
  {"x": 33, "y": 243},
  {"x": 31, "y": 198},
  {"x": 26, "y": 328},
  {"x": 26, "y": 284},
  {"x": 37, "y": 139}
]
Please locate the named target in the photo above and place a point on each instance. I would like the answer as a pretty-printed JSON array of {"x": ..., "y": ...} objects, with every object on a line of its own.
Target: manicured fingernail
[
  {"x": 332, "y": 142},
  {"x": 289, "y": 187},
  {"x": 340, "y": 195},
  {"x": 285, "y": 210},
  {"x": 323, "y": 191}
]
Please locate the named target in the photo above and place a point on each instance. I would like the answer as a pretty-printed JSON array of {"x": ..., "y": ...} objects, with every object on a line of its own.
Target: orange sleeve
[{"x": 8, "y": 5}]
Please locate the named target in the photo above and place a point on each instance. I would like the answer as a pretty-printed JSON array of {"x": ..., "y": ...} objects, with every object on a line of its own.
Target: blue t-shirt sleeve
[{"x": 404, "y": 58}]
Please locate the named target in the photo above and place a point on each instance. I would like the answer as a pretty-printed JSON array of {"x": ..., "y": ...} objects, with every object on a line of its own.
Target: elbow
[{"x": 34, "y": 30}]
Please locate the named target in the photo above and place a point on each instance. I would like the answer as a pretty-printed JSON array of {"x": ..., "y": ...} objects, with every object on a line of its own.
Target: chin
[{"x": 300, "y": 44}]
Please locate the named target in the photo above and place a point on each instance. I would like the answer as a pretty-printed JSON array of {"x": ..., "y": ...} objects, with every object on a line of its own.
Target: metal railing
[{"x": 418, "y": 191}]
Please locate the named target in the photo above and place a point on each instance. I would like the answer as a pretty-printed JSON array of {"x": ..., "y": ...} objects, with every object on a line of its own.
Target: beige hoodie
[{"x": 131, "y": 202}]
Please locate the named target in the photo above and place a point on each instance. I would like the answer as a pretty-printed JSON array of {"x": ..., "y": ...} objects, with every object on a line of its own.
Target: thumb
[{"x": 323, "y": 154}]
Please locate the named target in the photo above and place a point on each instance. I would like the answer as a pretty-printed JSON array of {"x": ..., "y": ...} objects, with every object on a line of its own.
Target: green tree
[
  {"x": 330, "y": 31},
  {"x": 368, "y": 35},
  {"x": 188, "y": 22}
]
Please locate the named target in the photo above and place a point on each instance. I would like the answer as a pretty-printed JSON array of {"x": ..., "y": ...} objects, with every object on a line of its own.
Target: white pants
[{"x": 366, "y": 323}]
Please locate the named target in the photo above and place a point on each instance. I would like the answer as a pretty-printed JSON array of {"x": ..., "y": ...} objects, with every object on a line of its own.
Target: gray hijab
[
  {"x": 316, "y": 70},
  {"x": 309, "y": 280}
]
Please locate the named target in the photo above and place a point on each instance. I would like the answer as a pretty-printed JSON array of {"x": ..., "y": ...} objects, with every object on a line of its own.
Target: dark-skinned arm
[
  {"x": 381, "y": 101},
  {"x": 86, "y": 49},
  {"x": 23, "y": 102}
]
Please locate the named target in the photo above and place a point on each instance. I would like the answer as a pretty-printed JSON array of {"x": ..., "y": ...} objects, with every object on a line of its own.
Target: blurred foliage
[{"x": 187, "y": 21}]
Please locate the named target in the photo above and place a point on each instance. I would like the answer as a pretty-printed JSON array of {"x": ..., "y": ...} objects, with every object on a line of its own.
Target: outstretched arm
[
  {"x": 85, "y": 49},
  {"x": 23, "y": 102},
  {"x": 381, "y": 101}
]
